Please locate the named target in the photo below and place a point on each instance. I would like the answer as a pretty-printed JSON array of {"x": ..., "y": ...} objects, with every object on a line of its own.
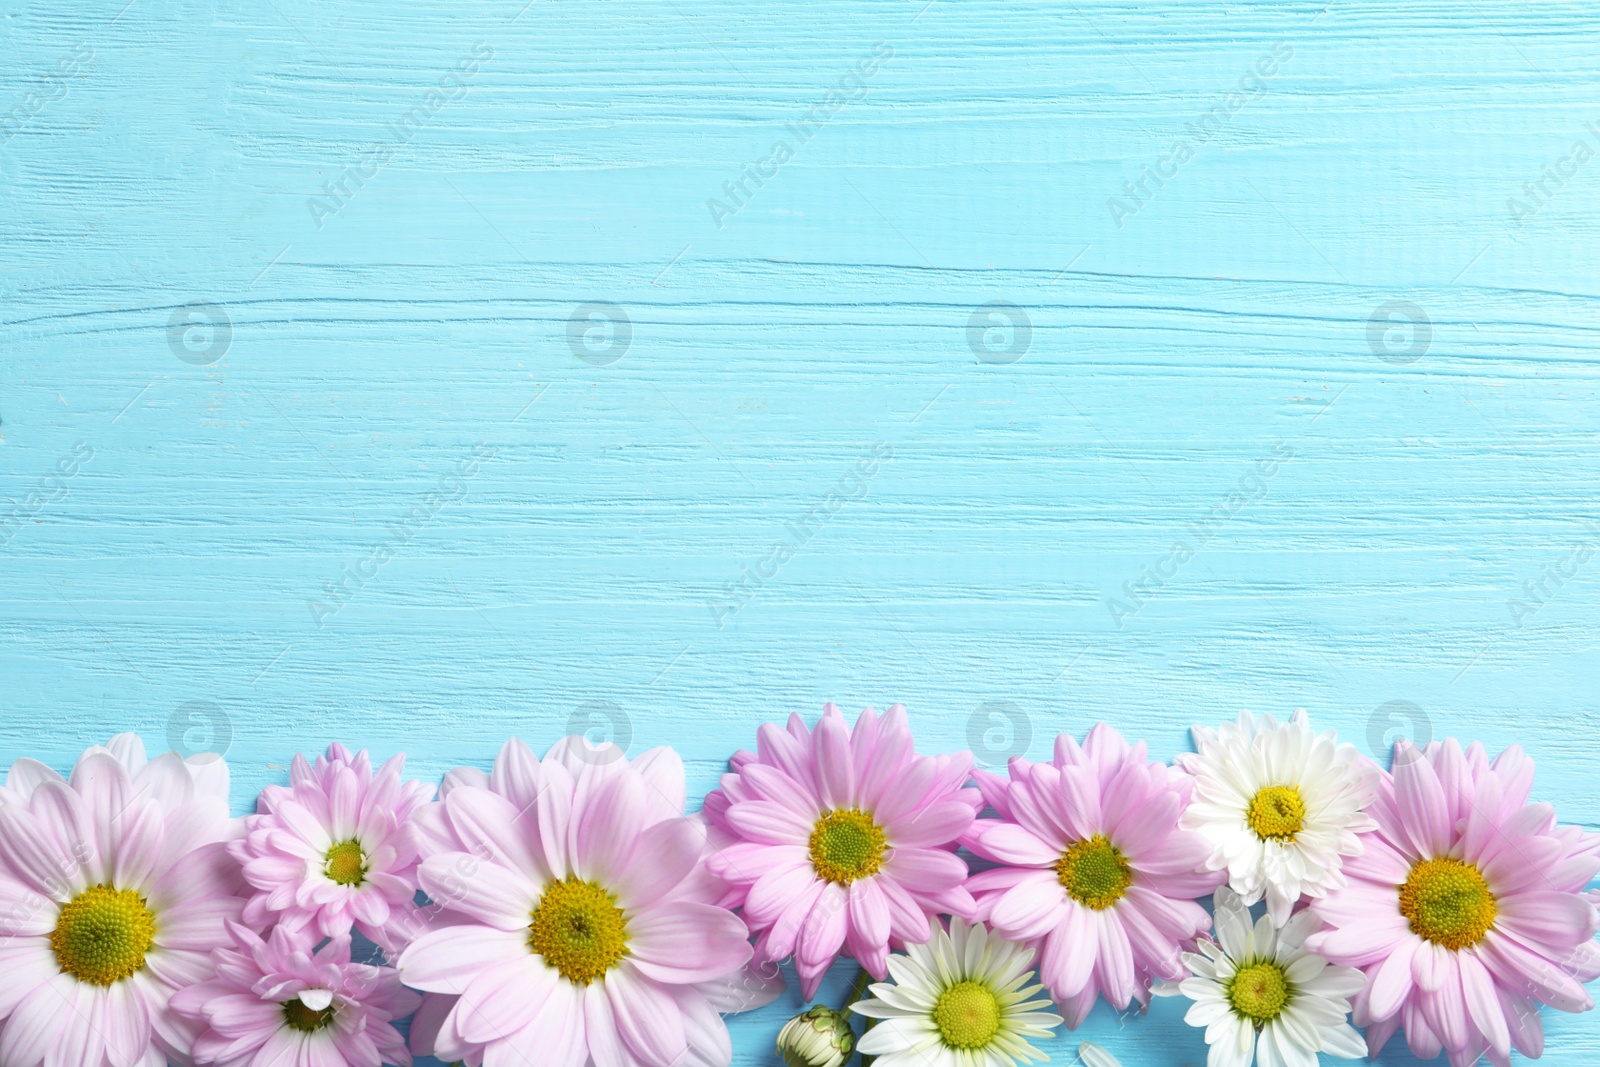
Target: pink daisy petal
[
  {"x": 486, "y": 892},
  {"x": 1103, "y": 797},
  {"x": 504, "y": 999},
  {"x": 1422, "y": 805},
  {"x": 925, "y": 870},
  {"x": 664, "y": 855},
  {"x": 825, "y": 928},
  {"x": 39, "y": 1021},
  {"x": 910, "y": 811},
  {"x": 647, "y": 1018},
  {"x": 609, "y": 830},
  {"x": 288, "y": 853},
  {"x": 1029, "y": 911},
  {"x": 1008, "y": 842},
  {"x": 608, "y": 840},
  {"x": 685, "y": 942},
  {"x": 96, "y": 834},
  {"x": 516, "y": 775},
  {"x": 832, "y": 763},
  {"x": 934, "y": 825},
  {"x": 443, "y": 961},
  {"x": 1466, "y": 990},
  {"x": 769, "y": 823},
  {"x": 240, "y": 1014}
]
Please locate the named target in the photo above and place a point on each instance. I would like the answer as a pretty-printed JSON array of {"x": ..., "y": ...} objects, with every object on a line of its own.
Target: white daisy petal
[
  {"x": 1311, "y": 792},
  {"x": 1264, "y": 977},
  {"x": 987, "y": 1019}
]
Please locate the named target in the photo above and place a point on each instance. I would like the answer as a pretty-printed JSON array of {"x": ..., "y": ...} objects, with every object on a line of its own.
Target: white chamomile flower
[
  {"x": 1280, "y": 805},
  {"x": 960, "y": 1000},
  {"x": 1262, "y": 997}
]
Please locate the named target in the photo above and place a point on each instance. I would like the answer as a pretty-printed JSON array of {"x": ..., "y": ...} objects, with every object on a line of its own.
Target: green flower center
[
  {"x": 301, "y": 1018},
  {"x": 1094, "y": 873},
  {"x": 1259, "y": 991},
  {"x": 1277, "y": 813},
  {"x": 967, "y": 1015},
  {"x": 1448, "y": 903},
  {"x": 102, "y": 935},
  {"x": 845, "y": 845},
  {"x": 579, "y": 930},
  {"x": 346, "y": 863}
]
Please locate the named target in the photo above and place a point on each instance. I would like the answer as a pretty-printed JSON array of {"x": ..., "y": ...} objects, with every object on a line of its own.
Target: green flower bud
[{"x": 817, "y": 1037}]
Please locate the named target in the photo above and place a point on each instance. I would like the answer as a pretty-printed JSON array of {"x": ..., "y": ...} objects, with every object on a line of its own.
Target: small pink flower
[
  {"x": 1467, "y": 909},
  {"x": 572, "y": 918},
  {"x": 277, "y": 1002},
  {"x": 1097, "y": 875},
  {"x": 330, "y": 851},
  {"x": 842, "y": 840}
]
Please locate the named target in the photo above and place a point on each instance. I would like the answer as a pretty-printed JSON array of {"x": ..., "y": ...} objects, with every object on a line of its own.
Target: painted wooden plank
[{"x": 263, "y": 295}]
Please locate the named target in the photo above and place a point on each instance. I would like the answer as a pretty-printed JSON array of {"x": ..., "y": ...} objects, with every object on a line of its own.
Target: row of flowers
[{"x": 565, "y": 910}]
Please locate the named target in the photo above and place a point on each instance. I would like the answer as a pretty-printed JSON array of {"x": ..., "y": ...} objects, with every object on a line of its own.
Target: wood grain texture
[{"x": 180, "y": 550}]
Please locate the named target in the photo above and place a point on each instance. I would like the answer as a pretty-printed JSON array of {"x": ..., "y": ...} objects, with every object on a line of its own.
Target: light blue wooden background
[{"x": 171, "y": 518}]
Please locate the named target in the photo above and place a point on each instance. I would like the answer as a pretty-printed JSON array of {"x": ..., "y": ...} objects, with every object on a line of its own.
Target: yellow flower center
[
  {"x": 1277, "y": 813},
  {"x": 301, "y": 1018},
  {"x": 102, "y": 935},
  {"x": 1259, "y": 991},
  {"x": 967, "y": 1015},
  {"x": 1448, "y": 903},
  {"x": 579, "y": 930},
  {"x": 1094, "y": 873},
  {"x": 346, "y": 863},
  {"x": 845, "y": 845}
]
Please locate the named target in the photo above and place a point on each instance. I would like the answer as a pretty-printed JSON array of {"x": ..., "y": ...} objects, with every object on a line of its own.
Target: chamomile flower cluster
[{"x": 567, "y": 908}]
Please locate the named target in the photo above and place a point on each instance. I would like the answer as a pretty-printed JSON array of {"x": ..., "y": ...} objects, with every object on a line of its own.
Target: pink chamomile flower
[
  {"x": 280, "y": 1003},
  {"x": 572, "y": 919},
  {"x": 1096, "y": 872},
  {"x": 331, "y": 850},
  {"x": 842, "y": 840},
  {"x": 1467, "y": 908},
  {"x": 115, "y": 887}
]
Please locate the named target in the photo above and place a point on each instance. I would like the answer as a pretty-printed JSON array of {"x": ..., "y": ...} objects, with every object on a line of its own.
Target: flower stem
[{"x": 858, "y": 991}]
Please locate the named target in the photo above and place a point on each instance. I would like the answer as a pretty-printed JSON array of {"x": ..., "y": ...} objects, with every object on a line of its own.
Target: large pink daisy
[
  {"x": 842, "y": 840},
  {"x": 285, "y": 1002},
  {"x": 329, "y": 851},
  {"x": 1467, "y": 909},
  {"x": 1097, "y": 874},
  {"x": 575, "y": 918},
  {"x": 114, "y": 889}
]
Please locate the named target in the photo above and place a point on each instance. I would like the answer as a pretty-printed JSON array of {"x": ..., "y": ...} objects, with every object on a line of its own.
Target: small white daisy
[
  {"x": 1262, "y": 997},
  {"x": 960, "y": 1000},
  {"x": 1280, "y": 805}
]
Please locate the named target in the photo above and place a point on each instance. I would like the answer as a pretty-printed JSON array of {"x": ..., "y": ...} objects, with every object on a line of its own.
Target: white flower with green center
[
  {"x": 1262, "y": 997},
  {"x": 1280, "y": 805},
  {"x": 963, "y": 999}
]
